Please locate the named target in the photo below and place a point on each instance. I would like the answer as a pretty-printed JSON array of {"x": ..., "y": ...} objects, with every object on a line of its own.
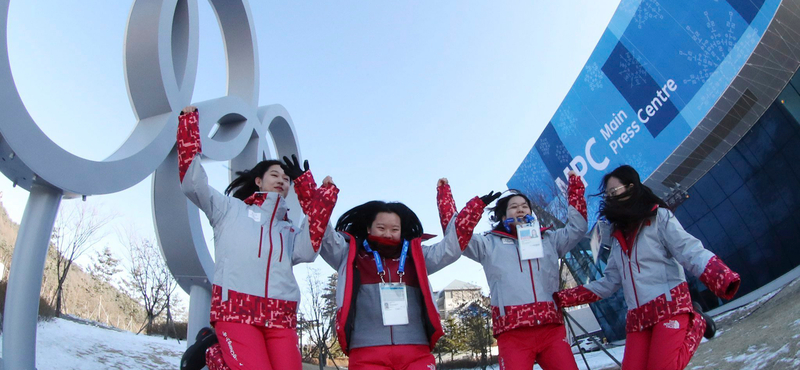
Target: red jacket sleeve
[
  {"x": 720, "y": 279},
  {"x": 575, "y": 192},
  {"x": 188, "y": 141}
]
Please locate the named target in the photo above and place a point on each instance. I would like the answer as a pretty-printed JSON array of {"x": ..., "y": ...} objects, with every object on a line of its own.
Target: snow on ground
[
  {"x": 762, "y": 335},
  {"x": 62, "y": 344}
]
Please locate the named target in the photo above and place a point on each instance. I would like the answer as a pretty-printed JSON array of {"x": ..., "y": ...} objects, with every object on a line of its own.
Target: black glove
[
  {"x": 292, "y": 167},
  {"x": 488, "y": 198}
]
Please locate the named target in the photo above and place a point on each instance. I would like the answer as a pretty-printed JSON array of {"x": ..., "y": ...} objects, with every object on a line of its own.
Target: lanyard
[{"x": 400, "y": 269}]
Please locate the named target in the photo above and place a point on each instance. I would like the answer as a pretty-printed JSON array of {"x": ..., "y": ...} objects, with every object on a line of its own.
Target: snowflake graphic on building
[
  {"x": 642, "y": 165},
  {"x": 632, "y": 70},
  {"x": 544, "y": 146},
  {"x": 648, "y": 9},
  {"x": 594, "y": 76},
  {"x": 563, "y": 155},
  {"x": 714, "y": 45},
  {"x": 567, "y": 122}
]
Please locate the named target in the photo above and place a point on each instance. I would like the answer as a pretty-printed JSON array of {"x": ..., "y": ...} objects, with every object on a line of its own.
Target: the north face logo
[{"x": 672, "y": 324}]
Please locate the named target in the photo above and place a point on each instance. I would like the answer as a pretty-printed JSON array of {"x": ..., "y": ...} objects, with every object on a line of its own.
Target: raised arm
[
  {"x": 569, "y": 236},
  {"x": 316, "y": 203},
  {"x": 458, "y": 230},
  {"x": 193, "y": 178},
  {"x": 473, "y": 245},
  {"x": 700, "y": 262}
]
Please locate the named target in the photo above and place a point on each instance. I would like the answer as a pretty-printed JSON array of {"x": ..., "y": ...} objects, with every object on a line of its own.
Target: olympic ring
[{"x": 161, "y": 57}]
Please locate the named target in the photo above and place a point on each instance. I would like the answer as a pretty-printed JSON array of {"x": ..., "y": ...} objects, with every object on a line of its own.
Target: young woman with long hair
[
  {"x": 254, "y": 292},
  {"x": 387, "y": 317},
  {"x": 648, "y": 257},
  {"x": 526, "y": 322}
]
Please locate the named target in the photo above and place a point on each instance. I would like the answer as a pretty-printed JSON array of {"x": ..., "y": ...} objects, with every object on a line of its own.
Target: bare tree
[
  {"x": 319, "y": 315},
  {"x": 150, "y": 282},
  {"x": 76, "y": 230}
]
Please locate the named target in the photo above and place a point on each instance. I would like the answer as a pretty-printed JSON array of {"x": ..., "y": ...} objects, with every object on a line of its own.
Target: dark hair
[
  {"x": 638, "y": 203},
  {"x": 245, "y": 184},
  {"x": 357, "y": 220},
  {"x": 498, "y": 212}
]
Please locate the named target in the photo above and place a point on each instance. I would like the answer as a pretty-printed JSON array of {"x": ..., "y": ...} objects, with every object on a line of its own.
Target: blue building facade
[{"x": 700, "y": 97}]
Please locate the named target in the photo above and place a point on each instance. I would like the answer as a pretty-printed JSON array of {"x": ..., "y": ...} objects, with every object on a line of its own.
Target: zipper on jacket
[
  {"x": 633, "y": 283},
  {"x": 269, "y": 261},
  {"x": 530, "y": 269},
  {"x": 389, "y": 276},
  {"x": 260, "y": 239},
  {"x": 280, "y": 258}
]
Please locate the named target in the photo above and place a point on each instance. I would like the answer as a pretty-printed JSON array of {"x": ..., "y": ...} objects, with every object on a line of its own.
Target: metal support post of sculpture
[
  {"x": 25, "y": 277},
  {"x": 161, "y": 55}
]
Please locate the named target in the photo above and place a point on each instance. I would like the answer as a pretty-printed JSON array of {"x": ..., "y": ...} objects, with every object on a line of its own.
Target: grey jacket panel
[
  {"x": 567, "y": 237},
  {"x": 445, "y": 252},
  {"x": 335, "y": 247},
  {"x": 515, "y": 282},
  {"x": 250, "y": 241},
  {"x": 368, "y": 329},
  {"x": 658, "y": 257}
]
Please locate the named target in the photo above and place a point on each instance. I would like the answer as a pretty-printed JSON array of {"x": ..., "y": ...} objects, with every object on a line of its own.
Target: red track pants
[
  {"x": 400, "y": 357},
  {"x": 668, "y": 345},
  {"x": 547, "y": 344},
  {"x": 249, "y": 347}
]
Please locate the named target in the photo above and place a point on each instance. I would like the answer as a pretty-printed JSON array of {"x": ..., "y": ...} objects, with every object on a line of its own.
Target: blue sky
[{"x": 386, "y": 97}]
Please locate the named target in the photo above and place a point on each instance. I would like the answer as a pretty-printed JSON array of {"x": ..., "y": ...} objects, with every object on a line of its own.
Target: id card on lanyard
[
  {"x": 394, "y": 300},
  {"x": 529, "y": 241},
  {"x": 394, "y": 304}
]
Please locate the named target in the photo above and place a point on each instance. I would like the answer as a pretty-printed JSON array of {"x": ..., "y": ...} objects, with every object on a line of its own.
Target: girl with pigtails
[
  {"x": 387, "y": 317},
  {"x": 254, "y": 292},
  {"x": 520, "y": 260},
  {"x": 649, "y": 255}
]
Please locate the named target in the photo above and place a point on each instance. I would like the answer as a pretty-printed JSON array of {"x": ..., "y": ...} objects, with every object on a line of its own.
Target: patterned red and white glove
[
  {"x": 574, "y": 297},
  {"x": 467, "y": 219},
  {"x": 188, "y": 141},
  {"x": 317, "y": 204},
  {"x": 720, "y": 279},
  {"x": 446, "y": 204},
  {"x": 575, "y": 193}
]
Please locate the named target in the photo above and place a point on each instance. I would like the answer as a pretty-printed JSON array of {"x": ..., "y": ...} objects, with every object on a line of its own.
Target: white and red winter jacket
[
  {"x": 651, "y": 273},
  {"x": 256, "y": 245},
  {"x": 341, "y": 250},
  {"x": 521, "y": 291}
]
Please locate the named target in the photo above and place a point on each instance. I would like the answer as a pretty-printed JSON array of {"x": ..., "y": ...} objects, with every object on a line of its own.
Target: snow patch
[
  {"x": 63, "y": 344},
  {"x": 756, "y": 357}
]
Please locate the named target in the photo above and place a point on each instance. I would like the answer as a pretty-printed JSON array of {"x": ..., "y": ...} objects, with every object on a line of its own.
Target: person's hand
[
  {"x": 488, "y": 198},
  {"x": 328, "y": 181},
  {"x": 188, "y": 109},
  {"x": 293, "y": 169},
  {"x": 571, "y": 173},
  {"x": 442, "y": 182}
]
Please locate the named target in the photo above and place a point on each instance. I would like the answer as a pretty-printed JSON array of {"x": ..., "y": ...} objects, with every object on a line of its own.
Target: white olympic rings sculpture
[{"x": 161, "y": 57}]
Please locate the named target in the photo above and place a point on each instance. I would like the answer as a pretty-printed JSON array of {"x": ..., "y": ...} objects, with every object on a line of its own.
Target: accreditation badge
[
  {"x": 529, "y": 241},
  {"x": 394, "y": 304}
]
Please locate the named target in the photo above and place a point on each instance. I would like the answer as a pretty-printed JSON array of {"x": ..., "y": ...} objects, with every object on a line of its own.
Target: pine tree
[{"x": 105, "y": 266}]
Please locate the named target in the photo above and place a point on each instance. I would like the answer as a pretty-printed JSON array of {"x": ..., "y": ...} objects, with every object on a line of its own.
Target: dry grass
[{"x": 84, "y": 296}]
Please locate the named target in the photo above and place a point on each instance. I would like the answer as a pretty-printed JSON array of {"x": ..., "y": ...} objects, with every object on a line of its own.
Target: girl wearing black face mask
[
  {"x": 387, "y": 317},
  {"x": 648, "y": 257}
]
